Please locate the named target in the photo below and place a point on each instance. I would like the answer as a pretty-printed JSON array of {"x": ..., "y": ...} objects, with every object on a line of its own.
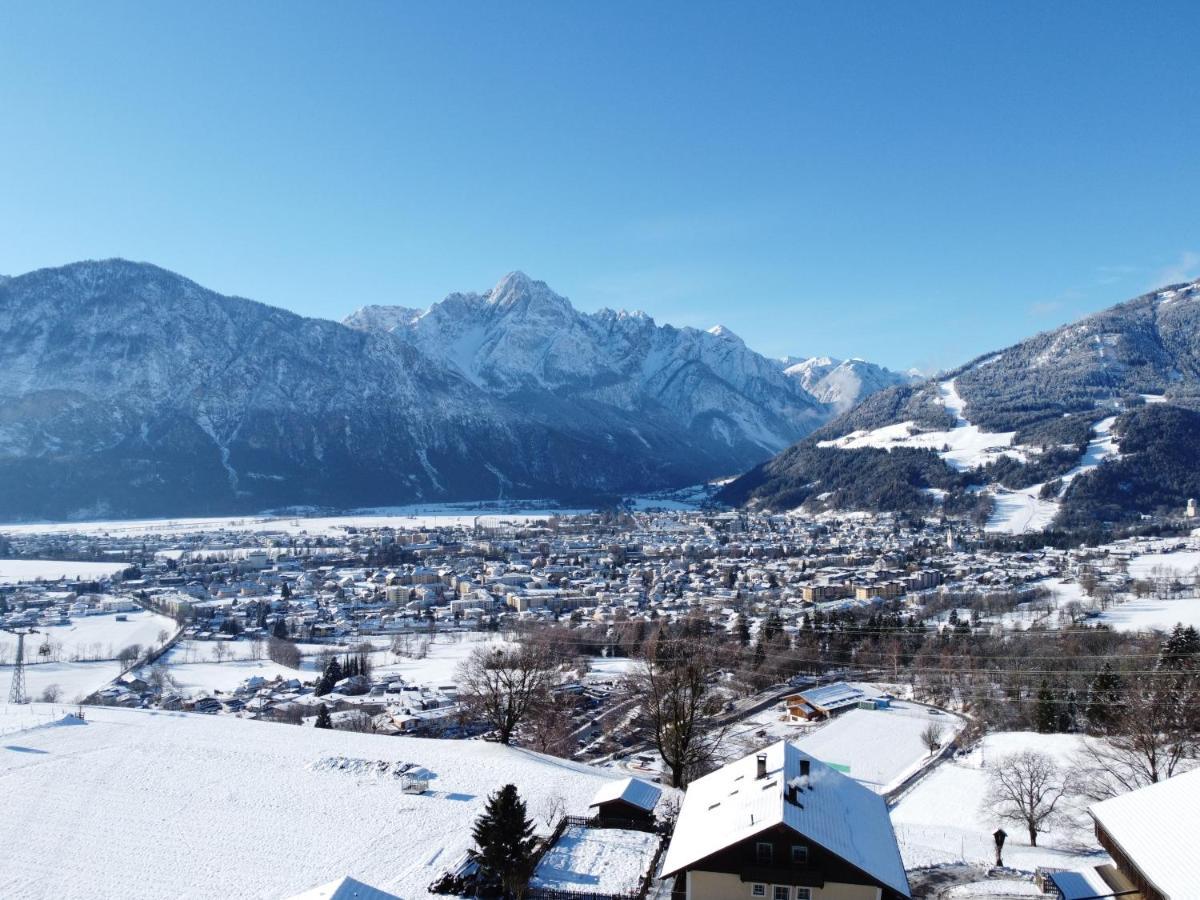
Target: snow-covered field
[
  {"x": 1149, "y": 614},
  {"x": 944, "y": 818},
  {"x": 1136, "y": 614},
  {"x": 1153, "y": 565},
  {"x": 137, "y": 803},
  {"x": 196, "y": 670},
  {"x": 417, "y": 516},
  {"x": 879, "y": 748},
  {"x": 17, "y": 570},
  {"x": 72, "y": 667},
  {"x": 597, "y": 860}
]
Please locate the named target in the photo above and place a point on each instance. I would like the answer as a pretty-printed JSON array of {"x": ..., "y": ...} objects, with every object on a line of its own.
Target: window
[
  {"x": 803, "y": 894},
  {"x": 762, "y": 853},
  {"x": 783, "y": 892},
  {"x": 800, "y": 854},
  {"x": 758, "y": 890}
]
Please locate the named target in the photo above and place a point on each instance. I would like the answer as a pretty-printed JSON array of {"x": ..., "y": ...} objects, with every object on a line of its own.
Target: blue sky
[{"x": 914, "y": 183}]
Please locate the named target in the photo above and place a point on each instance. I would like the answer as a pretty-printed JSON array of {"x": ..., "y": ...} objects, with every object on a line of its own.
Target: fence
[{"x": 539, "y": 893}]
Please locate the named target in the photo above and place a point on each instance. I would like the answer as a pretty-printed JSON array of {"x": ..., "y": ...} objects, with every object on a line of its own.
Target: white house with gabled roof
[{"x": 782, "y": 825}]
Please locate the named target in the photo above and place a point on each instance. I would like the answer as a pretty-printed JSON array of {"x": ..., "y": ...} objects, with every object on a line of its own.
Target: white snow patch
[{"x": 596, "y": 860}]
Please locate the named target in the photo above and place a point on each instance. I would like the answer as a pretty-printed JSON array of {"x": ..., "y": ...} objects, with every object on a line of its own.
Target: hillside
[
  {"x": 127, "y": 390},
  {"x": 1092, "y": 421},
  {"x": 256, "y": 809}
]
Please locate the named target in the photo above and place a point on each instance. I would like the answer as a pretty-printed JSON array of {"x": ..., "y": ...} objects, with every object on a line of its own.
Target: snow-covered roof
[
  {"x": 1156, "y": 827},
  {"x": 833, "y": 696},
  {"x": 631, "y": 790},
  {"x": 834, "y": 811},
  {"x": 345, "y": 889}
]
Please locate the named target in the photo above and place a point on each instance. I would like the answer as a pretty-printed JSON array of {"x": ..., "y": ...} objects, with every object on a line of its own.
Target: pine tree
[
  {"x": 280, "y": 630},
  {"x": 742, "y": 630},
  {"x": 331, "y": 676},
  {"x": 323, "y": 718},
  {"x": 1045, "y": 716},
  {"x": 505, "y": 841},
  {"x": 285, "y": 592},
  {"x": 1104, "y": 700}
]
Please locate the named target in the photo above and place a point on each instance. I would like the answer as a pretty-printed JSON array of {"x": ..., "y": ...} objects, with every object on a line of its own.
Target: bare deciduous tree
[
  {"x": 52, "y": 693},
  {"x": 931, "y": 737},
  {"x": 285, "y": 653},
  {"x": 1027, "y": 788},
  {"x": 1155, "y": 733},
  {"x": 505, "y": 685},
  {"x": 676, "y": 685}
]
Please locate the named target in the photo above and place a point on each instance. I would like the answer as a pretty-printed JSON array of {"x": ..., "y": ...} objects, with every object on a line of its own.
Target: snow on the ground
[
  {"x": 944, "y": 817},
  {"x": 416, "y": 516},
  {"x": 145, "y": 803},
  {"x": 194, "y": 666},
  {"x": 601, "y": 668},
  {"x": 879, "y": 748},
  {"x": 1150, "y": 614},
  {"x": 91, "y": 637},
  {"x": 1123, "y": 614},
  {"x": 596, "y": 860},
  {"x": 1024, "y": 510},
  {"x": 82, "y": 653},
  {"x": 443, "y": 655},
  {"x": 74, "y": 680},
  {"x": 1155, "y": 565},
  {"x": 16, "y": 570},
  {"x": 963, "y": 447},
  {"x": 1017, "y": 512},
  {"x": 994, "y": 887}
]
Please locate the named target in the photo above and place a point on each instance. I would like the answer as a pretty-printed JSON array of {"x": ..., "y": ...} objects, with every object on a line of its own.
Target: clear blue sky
[{"x": 914, "y": 183}]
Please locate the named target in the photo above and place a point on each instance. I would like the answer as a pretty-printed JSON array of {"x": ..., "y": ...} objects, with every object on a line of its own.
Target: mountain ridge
[
  {"x": 1012, "y": 436},
  {"x": 126, "y": 389}
]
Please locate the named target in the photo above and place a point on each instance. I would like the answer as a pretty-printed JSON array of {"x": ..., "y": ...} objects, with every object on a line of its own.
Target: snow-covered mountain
[
  {"x": 842, "y": 383},
  {"x": 129, "y": 390},
  {"x": 524, "y": 343},
  {"x": 1096, "y": 421}
]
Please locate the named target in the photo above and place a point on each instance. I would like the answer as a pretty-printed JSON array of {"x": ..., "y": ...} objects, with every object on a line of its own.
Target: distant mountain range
[
  {"x": 129, "y": 390},
  {"x": 1096, "y": 421}
]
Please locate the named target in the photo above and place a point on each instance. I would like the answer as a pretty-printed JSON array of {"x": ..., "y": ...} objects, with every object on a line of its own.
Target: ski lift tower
[{"x": 16, "y": 693}]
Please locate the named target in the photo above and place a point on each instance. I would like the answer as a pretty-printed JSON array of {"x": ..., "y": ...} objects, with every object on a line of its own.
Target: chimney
[{"x": 762, "y": 766}]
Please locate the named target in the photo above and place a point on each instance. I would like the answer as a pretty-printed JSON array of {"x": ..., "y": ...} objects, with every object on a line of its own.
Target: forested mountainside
[
  {"x": 126, "y": 389},
  {"x": 1094, "y": 421}
]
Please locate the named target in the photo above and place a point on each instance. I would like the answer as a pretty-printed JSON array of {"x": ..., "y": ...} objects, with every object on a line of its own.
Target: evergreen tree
[
  {"x": 742, "y": 630},
  {"x": 1104, "y": 700},
  {"x": 331, "y": 676},
  {"x": 280, "y": 629},
  {"x": 505, "y": 841},
  {"x": 323, "y": 718},
  {"x": 1045, "y": 716},
  {"x": 285, "y": 592}
]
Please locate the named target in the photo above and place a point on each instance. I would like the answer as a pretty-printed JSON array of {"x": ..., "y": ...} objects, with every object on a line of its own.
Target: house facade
[{"x": 782, "y": 825}]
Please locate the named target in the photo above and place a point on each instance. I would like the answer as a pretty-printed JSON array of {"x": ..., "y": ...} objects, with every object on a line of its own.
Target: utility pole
[{"x": 16, "y": 693}]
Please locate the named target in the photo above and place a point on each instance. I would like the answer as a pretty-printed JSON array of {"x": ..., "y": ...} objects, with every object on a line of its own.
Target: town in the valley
[{"x": 666, "y": 698}]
